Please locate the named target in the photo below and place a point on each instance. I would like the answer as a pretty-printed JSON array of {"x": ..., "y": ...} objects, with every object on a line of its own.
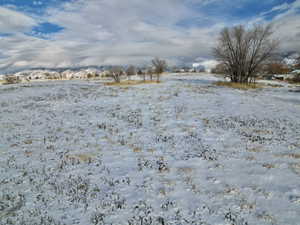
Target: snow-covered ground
[{"x": 180, "y": 152}]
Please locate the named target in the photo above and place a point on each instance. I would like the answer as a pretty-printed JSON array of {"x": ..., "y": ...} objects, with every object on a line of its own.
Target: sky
[{"x": 72, "y": 33}]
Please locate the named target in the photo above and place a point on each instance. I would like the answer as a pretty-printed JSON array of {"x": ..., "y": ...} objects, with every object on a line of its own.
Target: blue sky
[{"x": 59, "y": 33}]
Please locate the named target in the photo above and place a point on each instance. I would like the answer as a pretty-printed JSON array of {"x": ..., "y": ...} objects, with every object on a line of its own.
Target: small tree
[
  {"x": 116, "y": 72},
  {"x": 159, "y": 67},
  {"x": 150, "y": 72},
  {"x": 130, "y": 71},
  {"x": 243, "y": 51},
  {"x": 141, "y": 74},
  {"x": 219, "y": 69}
]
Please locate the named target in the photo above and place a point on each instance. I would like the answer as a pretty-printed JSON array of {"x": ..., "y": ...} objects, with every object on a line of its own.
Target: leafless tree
[
  {"x": 141, "y": 74},
  {"x": 150, "y": 72},
  {"x": 219, "y": 69},
  {"x": 130, "y": 71},
  {"x": 243, "y": 51},
  {"x": 160, "y": 66},
  {"x": 116, "y": 72}
]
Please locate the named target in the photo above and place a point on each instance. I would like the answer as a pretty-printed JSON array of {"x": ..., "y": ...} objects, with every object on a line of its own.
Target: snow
[{"x": 180, "y": 152}]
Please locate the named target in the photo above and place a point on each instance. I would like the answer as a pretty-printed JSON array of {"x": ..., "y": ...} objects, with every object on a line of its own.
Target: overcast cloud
[{"x": 102, "y": 32}]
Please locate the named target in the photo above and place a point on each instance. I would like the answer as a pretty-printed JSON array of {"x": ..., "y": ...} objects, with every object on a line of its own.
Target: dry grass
[
  {"x": 268, "y": 165},
  {"x": 131, "y": 82},
  {"x": 289, "y": 155},
  {"x": 275, "y": 85},
  {"x": 28, "y": 142},
  {"x": 295, "y": 167},
  {"x": 256, "y": 149},
  {"x": 136, "y": 150},
  {"x": 205, "y": 121},
  {"x": 238, "y": 85},
  {"x": 185, "y": 170},
  {"x": 79, "y": 158}
]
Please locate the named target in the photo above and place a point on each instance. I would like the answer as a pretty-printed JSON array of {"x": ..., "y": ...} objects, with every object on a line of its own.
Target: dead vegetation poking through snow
[
  {"x": 242, "y": 86},
  {"x": 182, "y": 152}
]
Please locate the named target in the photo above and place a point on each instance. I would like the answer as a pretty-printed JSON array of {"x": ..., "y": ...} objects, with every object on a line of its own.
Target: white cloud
[
  {"x": 112, "y": 32},
  {"x": 12, "y": 21},
  {"x": 286, "y": 25},
  {"x": 209, "y": 64}
]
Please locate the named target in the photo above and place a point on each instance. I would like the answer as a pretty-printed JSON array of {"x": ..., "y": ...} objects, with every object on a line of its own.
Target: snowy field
[{"x": 182, "y": 152}]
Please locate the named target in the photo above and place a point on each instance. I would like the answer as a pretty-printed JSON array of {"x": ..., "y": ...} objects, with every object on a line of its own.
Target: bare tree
[
  {"x": 141, "y": 74},
  {"x": 219, "y": 69},
  {"x": 130, "y": 71},
  {"x": 160, "y": 66},
  {"x": 243, "y": 51},
  {"x": 150, "y": 72},
  {"x": 116, "y": 72}
]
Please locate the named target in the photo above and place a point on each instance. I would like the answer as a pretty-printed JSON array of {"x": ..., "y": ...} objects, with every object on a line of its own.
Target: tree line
[
  {"x": 158, "y": 66},
  {"x": 242, "y": 53}
]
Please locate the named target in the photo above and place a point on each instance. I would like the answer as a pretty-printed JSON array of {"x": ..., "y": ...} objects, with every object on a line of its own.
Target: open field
[{"x": 183, "y": 151}]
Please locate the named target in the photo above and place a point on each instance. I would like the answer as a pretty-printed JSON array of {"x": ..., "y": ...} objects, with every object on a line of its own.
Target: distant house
[
  {"x": 21, "y": 77},
  {"x": 284, "y": 76}
]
